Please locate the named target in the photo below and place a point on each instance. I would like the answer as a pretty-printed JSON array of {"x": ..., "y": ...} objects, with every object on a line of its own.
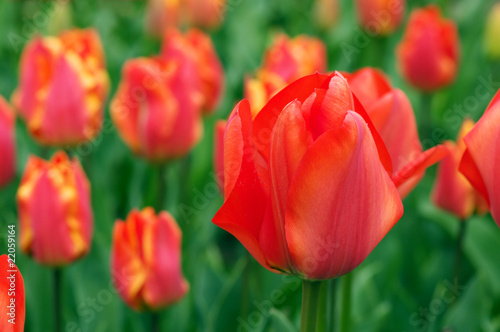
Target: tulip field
[{"x": 249, "y": 166}]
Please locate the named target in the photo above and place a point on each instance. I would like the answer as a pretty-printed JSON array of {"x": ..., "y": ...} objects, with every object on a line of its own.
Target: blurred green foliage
[{"x": 404, "y": 285}]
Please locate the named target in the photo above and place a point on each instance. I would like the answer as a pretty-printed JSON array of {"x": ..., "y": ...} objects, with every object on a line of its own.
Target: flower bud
[
  {"x": 146, "y": 260},
  {"x": 63, "y": 87},
  {"x": 55, "y": 214}
]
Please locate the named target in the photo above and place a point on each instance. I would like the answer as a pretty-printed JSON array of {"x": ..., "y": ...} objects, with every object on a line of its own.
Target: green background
[{"x": 400, "y": 285}]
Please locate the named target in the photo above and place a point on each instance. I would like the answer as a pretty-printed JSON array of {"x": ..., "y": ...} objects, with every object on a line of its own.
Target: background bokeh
[{"x": 404, "y": 285}]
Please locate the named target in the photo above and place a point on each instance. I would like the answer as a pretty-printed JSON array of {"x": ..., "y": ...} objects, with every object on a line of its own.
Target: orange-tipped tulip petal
[
  {"x": 55, "y": 214},
  {"x": 428, "y": 55},
  {"x": 7, "y": 143},
  {"x": 155, "y": 109},
  {"x": 308, "y": 187},
  {"x": 145, "y": 260},
  {"x": 12, "y": 297},
  {"x": 481, "y": 160},
  {"x": 63, "y": 87}
]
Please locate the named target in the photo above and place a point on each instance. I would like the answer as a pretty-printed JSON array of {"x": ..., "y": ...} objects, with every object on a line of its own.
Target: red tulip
[
  {"x": 381, "y": 17},
  {"x": 393, "y": 117},
  {"x": 145, "y": 260},
  {"x": 284, "y": 62},
  {"x": 292, "y": 58},
  {"x": 480, "y": 163},
  {"x": 55, "y": 214},
  {"x": 7, "y": 143},
  {"x": 63, "y": 87},
  {"x": 308, "y": 183},
  {"x": 452, "y": 191},
  {"x": 220, "y": 128},
  {"x": 162, "y": 14},
  {"x": 195, "y": 48},
  {"x": 428, "y": 55},
  {"x": 156, "y": 110},
  {"x": 12, "y": 298}
]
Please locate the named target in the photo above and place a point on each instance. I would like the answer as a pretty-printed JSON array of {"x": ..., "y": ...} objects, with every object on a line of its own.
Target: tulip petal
[
  {"x": 7, "y": 144},
  {"x": 299, "y": 90},
  {"x": 335, "y": 202},
  {"x": 10, "y": 275},
  {"x": 290, "y": 141},
  {"x": 65, "y": 115},
  {"x": 164, "y": 284},
  {"x": 246, "y": 200},
  {"x": 409, "y": 175},
  {"x": 481, "y": 160}
]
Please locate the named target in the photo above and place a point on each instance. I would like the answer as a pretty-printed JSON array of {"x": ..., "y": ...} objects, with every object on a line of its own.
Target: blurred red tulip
[
  {"x": 12, "y": 297},
  {"x": 63, "y": 87},
  {"x": 308, "y": 183},
  {"x": 292, "y": 58},
  {"x": 220, "y": 128},
  {"x": 54, "y": 208},
  {"x": 205, "y": 13},
  {"x": 146, "y": 260},
  {"x": 156, "y": 110},
  {"x": 196, "y": 55},
  {"x": 381, "y": 17},
  {"x": 326, "y": 13},
  {"x": 480, "y": 163},
  {"x": 7, "y": 143},
  {"x": 452, "y": 191},
  {"x": 393, "y": 117},
  {"x": 428, "y": 55},
  {"x": 284, "y": 62},
  {"x": 161, "y": 15}
]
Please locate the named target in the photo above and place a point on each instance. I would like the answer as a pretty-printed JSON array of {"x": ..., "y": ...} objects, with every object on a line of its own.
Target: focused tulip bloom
[
  {"x": 196, "y": 55},
  {"x": 452, "y": 191},
  {"x": 162, "y": 14},
  {"x": 55, "y": 215},
  {"x": 146, "y": 260},
  {"x": 7, "y": 143},
  {"x": 492, "y": 33},
  {"x": 381, "y": 17},
  {"x": 12, "y": 297},
  {"x": 284, "y": 62},
  {"x": 156, "y": 110},
  {"x": 205, "y": 13},
  {"x": 480, "y": 163},
  {"x": 393, "y": 117},
  {"x": 63, "y": 87},
  {"x": 308, "y": 184},
  {"x": 326, "y": 13},
  {"x": 220, "y": 128},
  {"x": 428, "y": 55}
]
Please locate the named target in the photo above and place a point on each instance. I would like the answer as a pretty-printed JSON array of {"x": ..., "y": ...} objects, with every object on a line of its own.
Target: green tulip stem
[
  {"x": 322, "y": 322},
  {"x": 310, "y": 302},
  {"x": 332, "y": 291},
  {"x": 162, "y": 181},
  {"x": 57, "y": 299},
  {"x": 426, "y": 116},
  {"x": 459, "y": 249},
  {"x": 155, "y": 322},
  {"x": 345, "y": 318}
]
